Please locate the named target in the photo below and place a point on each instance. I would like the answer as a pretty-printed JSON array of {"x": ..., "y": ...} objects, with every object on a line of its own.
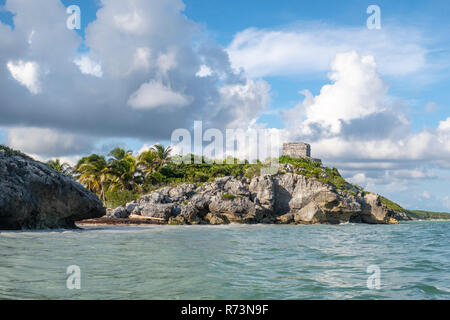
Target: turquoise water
[{"x": 230, "y": 262}]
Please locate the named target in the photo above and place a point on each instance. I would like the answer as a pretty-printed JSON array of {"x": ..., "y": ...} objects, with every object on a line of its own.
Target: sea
[{"x": 410, "y": 260}]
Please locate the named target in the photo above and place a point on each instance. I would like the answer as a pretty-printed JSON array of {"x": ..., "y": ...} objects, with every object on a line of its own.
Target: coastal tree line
[{"x": 120, "y": 176}]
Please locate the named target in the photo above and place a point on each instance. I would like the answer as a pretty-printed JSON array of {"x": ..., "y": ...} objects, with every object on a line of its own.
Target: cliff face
[
  {"x": 34, "y": 196},
  {"x": 286, "y": 197}
]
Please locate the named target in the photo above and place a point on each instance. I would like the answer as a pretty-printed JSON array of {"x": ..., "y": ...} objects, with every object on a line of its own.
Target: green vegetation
[
  {"x": 391, "y": 205},
  {"x": 61, "y": 167},
  {"x": 115, "y": 198},
  {"x": 420, "y": 214},
  {"x": 313, "y": 169},
  {"x": 228, "y": 196},
  {"x": 415, "y": 214},
  {"x": 120, "y": 177}
]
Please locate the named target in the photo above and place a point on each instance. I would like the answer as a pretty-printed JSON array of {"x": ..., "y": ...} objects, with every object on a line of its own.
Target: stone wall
[{"x": 297, "y": 150}]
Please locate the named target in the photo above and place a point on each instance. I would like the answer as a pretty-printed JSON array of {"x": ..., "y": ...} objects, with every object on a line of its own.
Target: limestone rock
[
  {"x": 286, "y": 197},
  {"x": 34, "y": 196}
]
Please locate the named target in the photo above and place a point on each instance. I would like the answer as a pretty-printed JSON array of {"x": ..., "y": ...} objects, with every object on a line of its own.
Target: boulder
[
  {"x": 373, "y": 211},
  {"x": 34, "y": 196},
  {"x": 119, "y": 212},
  {"x": 159, "y": 210}
]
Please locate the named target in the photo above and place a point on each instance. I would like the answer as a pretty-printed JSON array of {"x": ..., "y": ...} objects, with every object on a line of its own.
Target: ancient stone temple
[{"x": 297, "y": 150}]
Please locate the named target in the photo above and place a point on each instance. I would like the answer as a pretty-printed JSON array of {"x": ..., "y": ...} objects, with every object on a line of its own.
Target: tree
[
  {"x": 163, "y": 154},
  {"x": 118, "y": 154},
  {"x": 63, "y": 168},
  {"x": 148, "y": 162},
  {"x": 124, "y": 171},
  {"x": 93, "y": 173}
]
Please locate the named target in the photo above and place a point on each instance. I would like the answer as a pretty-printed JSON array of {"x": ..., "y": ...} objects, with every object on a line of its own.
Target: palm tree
[
  {"x": 93, "y": 173},
  {"x": 123, "y": 167},
  {"x": 147, "y": 162},
  {"x": 163, "y": 154},
  {"x": 119, "y": 153},
  {"x": 63, "y": 168}
]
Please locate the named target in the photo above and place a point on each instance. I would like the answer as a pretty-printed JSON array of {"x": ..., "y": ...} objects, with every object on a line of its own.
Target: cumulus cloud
[
  {"x": 142, "y": 69},
  {"x": 354, "y": 124},
  {"x": 354, "y": 106},
  {"x": 306, "y": 48},
  {"x": 444, "y": 126},
  {"x": 251, "y": 97},
  {"x": 26, "y": 73},
  {"x": 204, "y": 71},
  {"x": 88, "y": 66},
  {"x": 154, "y": 94}
]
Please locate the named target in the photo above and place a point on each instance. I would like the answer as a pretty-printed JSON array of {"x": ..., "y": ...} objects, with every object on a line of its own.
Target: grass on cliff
[
  {"x": 421, "y": 214},
  {"x": 391, "y": 205},
  {"x": 314, "y": 169}
]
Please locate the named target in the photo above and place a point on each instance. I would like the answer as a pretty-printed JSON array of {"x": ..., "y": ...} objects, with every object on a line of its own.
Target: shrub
[{"x": 115, "y": 198}]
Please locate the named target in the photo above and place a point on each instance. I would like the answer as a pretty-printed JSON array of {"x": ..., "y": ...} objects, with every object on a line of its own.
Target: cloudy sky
[{"x": 374, "y": 103}]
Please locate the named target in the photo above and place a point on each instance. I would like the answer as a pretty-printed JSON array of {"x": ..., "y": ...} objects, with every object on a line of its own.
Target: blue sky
[{"x": 411, "y": 52}]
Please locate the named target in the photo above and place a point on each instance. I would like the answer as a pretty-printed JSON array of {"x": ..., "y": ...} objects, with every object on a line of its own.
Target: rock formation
[
  {"x": 287, "y": 197},
  {"x": 34, "y": 196}
]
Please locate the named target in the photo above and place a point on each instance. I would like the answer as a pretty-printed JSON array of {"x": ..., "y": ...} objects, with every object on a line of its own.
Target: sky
[{"x": 373, "y": 103}]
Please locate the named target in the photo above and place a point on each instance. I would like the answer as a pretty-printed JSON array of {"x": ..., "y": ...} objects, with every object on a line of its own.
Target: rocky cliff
[
  {"x": 287, "y": 197},
  {"x": 34, "y": 196}
]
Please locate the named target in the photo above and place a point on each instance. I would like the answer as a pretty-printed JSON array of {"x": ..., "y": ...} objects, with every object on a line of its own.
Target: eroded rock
[
  {"x": 34, "y": 196},
  {"x": 286, "y": 197}
]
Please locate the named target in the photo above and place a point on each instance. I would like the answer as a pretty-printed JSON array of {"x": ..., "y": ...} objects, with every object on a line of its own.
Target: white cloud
[
  {"x": 444, "y": 126},
  {"x": 141, "y": 59},
  {"x": 130, "y": 22},
  {"x": 359, "y": 178},
  {"x": 251, "y": 97},
  {"x": 204, "y": 71},
  {"x": 167, "y": 61},
  {"x": 26, "y": 73},
  {"x": 44, "y": 142},
  {"x": 88, "y": 66},
  {"x": 353, "y": 103},
  {"x": 138, "y": 47},
  {"x": 155, "y": 95},
  {"x": 354, "y": 124},
  {"x": 306, "y": 49}
]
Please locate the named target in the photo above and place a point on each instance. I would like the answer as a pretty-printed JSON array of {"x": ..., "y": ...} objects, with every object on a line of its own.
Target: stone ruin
[{"x": 298, "y": 150}]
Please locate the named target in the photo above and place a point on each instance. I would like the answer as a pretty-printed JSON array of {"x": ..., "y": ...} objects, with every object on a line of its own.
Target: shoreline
[
  {"x": 121, "y": 221},
  {"x": 106, "y": 221}
]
